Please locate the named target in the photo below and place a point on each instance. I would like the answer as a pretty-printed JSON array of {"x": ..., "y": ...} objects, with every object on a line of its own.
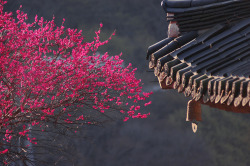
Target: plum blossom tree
[{"x": 51, "y": 77}]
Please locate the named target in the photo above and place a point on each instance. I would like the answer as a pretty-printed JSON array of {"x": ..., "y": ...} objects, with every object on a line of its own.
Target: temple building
[{"x": 206, "y": 55}]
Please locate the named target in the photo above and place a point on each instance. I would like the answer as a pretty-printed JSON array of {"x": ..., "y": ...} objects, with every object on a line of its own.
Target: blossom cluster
[{"x": 49, "y": 73}]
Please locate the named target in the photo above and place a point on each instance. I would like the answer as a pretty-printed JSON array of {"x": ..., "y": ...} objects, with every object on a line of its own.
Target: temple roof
[{"x": 210, "y": 64}]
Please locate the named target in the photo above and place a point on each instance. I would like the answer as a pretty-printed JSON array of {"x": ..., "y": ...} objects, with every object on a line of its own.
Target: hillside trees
[{"x": 51, "y": 78}]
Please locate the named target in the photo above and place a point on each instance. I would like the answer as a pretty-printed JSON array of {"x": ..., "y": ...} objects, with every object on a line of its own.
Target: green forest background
[{"x": 165, "y": 138}]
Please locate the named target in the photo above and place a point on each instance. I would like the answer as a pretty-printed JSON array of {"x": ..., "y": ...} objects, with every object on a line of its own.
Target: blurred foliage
[{"x": 164, "y": 138}]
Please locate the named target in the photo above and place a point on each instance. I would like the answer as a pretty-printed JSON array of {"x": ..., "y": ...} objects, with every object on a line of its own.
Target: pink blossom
[
  {"x": 126, "y": 119},
  {"x": 146, "y": 104},
  {"x": 137, "y": 108},
  {"x": 80, "y": 118},
  {"x": 4, "y": 151}
]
